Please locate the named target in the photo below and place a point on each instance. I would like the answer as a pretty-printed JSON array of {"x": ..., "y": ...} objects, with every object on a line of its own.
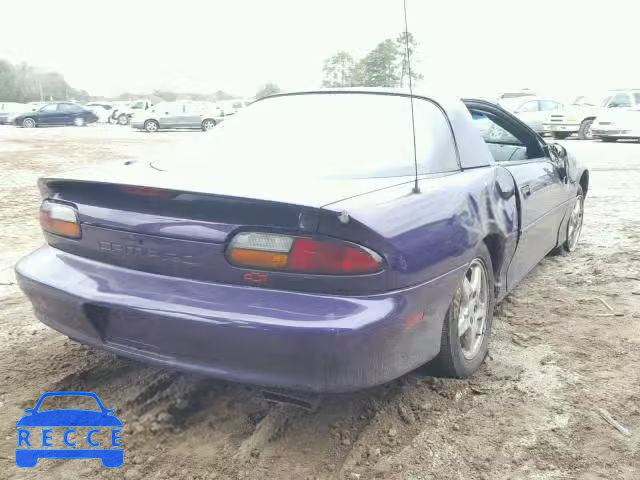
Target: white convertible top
[{"x": 471, "y": 147}]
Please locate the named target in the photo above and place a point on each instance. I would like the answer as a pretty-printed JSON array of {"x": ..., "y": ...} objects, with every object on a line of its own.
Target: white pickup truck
[
  {"x": 122, "y": 113},
  {"x": 578, "y": 117}
]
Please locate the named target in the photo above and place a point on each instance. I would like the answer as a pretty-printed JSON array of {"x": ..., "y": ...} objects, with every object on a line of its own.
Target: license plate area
[{"x": 129, "y": 329}]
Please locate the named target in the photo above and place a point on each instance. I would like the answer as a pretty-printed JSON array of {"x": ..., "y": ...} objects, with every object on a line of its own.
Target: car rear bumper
[
  {"x": 248, "y": 334},
  {"x": 561, "y": 127}
]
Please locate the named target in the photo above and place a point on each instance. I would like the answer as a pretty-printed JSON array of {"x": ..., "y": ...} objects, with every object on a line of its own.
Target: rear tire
[
  {"x": 151, "y": 126},
  {"x": 585, "y": 130},
  {"x": 560, "y": 135},
  {"x": 123, "y": 119},
  {"x": 456, "y": 359},
  {"x": 78, "y": 122}
]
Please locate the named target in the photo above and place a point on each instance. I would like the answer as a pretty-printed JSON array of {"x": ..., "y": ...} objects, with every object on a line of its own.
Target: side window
[
  {"x": 502, "y": 144},
  {"x": 175, "y": 108},
  {"x": 531, "y": 106},
  {"x": 636, "y": 98},
  {"x": 491, "y": 132},
  {"x": 549, "y": 105},
  {"x": 52, "y": 107},
  {"x": 620, "y": 100},
  {"x": 68, "y": 108}
]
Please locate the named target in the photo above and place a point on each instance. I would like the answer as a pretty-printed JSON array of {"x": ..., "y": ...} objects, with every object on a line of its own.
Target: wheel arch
[
  {"x": 584, "y": 182},
  {"x": 495, "y": 244}
]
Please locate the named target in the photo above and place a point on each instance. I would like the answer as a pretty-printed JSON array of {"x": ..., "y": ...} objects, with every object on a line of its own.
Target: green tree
[
  {"x": 25, "y": 83},
  {"x": 384, "y": 66},
  {"x": 338, "y": 70},
  {"x": 7, "y": 82},
  {"x": 379, "y": 68},
  {"x": 267, "y": 89},
  {"x": 222, "y": 95},
  {"x": 401, "y": 41}
]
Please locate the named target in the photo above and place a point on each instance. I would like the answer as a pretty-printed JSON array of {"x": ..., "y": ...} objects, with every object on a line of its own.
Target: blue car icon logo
[{"x": 42, "y": 433}]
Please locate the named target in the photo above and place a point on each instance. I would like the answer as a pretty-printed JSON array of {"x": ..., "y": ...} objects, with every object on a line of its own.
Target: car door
[
  {"x": 50, "y": 114},
  {"x": 543, "y": 197},
  {"x": 170, "y": 114},
  {"x": 69, "y": 113},
  {"x": 542, "y": 191},
  {"x": 192, "y": 117}
]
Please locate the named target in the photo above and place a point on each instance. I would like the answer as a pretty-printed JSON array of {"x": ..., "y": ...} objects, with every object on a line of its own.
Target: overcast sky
[{"x": 472, "y": 47}]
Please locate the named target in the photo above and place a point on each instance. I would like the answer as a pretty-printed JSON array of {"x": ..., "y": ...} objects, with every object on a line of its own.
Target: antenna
[{"x": 416, "y": 188}]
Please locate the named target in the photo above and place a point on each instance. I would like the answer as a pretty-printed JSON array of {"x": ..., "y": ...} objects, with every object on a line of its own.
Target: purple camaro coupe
[{"x": 310, "y": 245}]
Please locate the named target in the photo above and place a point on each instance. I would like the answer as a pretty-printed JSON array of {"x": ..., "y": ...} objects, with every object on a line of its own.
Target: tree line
[
  {"x": 384, "y": 66},
  {"x": 25, "y": 83}
]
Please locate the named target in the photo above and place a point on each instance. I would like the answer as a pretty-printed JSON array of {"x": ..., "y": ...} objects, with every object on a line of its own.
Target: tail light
[
  {"x": 59, "y": 219},
  {"x": 301, "y": 254}
]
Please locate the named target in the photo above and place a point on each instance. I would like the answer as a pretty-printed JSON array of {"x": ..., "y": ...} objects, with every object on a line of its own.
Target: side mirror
[
  {"x": 559, "y": 157},
  {"x": 558, "y": 150}
]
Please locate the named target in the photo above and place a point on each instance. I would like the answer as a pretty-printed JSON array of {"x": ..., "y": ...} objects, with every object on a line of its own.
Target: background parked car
[
  {"x": 102, "y": 110},
  {"x": 533, "y": 111},
  {"x": 617, "y": 125},
  {"x": 56, "y": 113},
  {"x": 231, "y": 107},
  {"x": 178, "y": 115},
  {"x": 9, "y": 110},
  {"x": 579, "y": 117},
  {"x": 122, "y": 114}
]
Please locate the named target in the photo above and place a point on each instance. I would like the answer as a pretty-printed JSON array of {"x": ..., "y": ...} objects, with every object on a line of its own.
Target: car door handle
[{"x": 526, "y": 190}]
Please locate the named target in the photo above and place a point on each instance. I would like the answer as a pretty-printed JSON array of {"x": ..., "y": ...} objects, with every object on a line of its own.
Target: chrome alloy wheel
[
  {"x": 473, "y": 312},
  {"x": 208, "y": 125},
  {"x": 151, "y": 126},
  {"x": 574, "y": 227}
]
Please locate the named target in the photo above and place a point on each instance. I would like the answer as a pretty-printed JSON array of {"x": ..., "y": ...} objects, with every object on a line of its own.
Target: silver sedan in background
[
  {"x": 178, "y": 115},
  {"x": 533, "y": 111}
]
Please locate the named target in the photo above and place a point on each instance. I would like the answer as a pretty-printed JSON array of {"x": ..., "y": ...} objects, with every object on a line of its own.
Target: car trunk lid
[{"x": 184, "y": 232}]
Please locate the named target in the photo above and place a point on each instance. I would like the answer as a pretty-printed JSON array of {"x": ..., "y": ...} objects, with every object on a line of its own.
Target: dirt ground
[{"x": 560, "y": 362}]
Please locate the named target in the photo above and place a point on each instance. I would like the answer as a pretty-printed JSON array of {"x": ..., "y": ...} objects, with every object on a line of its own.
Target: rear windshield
[{"x": 349, "y": 135}]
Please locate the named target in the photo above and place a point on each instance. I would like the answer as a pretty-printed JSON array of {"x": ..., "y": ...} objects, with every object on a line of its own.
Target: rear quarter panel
[{"x": 426, "y": 235}]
